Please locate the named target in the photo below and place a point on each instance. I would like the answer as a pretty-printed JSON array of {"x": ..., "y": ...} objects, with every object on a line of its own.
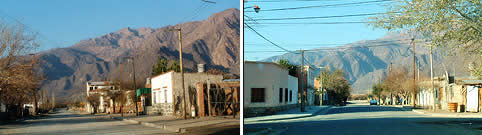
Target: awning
[{"x": 143, "y": 91}]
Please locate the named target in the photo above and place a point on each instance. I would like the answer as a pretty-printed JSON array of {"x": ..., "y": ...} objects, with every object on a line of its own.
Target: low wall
[
  {"x": 160, "y": 108},
  {"x": 261, "y": 111}
]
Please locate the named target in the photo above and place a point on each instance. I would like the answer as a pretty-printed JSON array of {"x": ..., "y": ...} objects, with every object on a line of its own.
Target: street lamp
[{"x": 255, "y": 7}]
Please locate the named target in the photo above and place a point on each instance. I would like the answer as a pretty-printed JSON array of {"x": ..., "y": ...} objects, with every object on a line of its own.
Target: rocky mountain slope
[
  {"x": 214, "y": 42},
  {"x": 364, "y": 65}
]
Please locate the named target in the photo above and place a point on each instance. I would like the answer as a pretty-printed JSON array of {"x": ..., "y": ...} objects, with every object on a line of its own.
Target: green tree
[
  {"x": 451, "y": 24},
  {"x": 175, "y": 66},
  {"x": 160, "y": 67},
  {"x": 286, "y": 64},
  {"x": 336, "y": 85}
]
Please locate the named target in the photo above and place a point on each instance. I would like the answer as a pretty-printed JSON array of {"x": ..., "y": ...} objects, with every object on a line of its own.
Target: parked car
[{"x": 373, "y": 102}]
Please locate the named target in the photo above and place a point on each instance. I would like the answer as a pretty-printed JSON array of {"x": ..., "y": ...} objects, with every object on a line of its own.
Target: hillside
[
  {"x": 364, "y": 65},
  {"x": 214, "y": 42}
]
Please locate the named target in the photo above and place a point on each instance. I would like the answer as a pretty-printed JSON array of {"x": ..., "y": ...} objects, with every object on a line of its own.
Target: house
[
  {"x": 268, "y": 88},
  {"x": 323, "y": 98},
  {"x": 167, "y": 93},
  {"x": 93, "y": 87},
  {"x": 308, "y": 84},
  {"x": 465, "y": 92}
]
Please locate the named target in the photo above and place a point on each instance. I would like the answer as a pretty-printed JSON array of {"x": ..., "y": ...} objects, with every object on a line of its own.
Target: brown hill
[{"x": 214, "y": 42}]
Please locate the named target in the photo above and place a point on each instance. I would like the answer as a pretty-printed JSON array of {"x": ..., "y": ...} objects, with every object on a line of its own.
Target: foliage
[
  {"x": 450, "y": 23},
  {"x": 94, "y": 101},
  {"x": 163, "y": 66},
  {"x": 336, "y": 85},
  {"x": 19, "y": 81},
  {"x": 286, "y": 64},
  {"x": 376, "y": 88}
]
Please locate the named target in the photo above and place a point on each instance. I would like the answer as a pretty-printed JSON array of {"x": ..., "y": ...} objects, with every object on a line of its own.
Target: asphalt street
[
  {"x": 67, "y": 123},
  {"x": 363, "y": 119}
]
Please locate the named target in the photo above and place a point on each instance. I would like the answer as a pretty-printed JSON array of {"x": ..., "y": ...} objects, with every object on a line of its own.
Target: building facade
[
  {"x": 99, "y": 87},
  {"x": 268, "y": 88},
  {"x": 167, "y": 94}
]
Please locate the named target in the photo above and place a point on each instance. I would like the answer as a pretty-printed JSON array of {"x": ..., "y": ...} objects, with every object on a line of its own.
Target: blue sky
[
  {"x": 308, "y": 36},
  {"x": 63, "y": 23}
]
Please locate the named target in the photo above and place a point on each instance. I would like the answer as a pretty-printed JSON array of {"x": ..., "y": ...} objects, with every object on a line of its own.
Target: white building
[
  {"x": 167, "y": 90},
  {"x": 267, "y": 86},
  {"x": 98, "y": 87},
  {"x": 309, "y": 85}
]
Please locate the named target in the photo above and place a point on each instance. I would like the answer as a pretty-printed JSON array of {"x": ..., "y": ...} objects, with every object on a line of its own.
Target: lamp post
[{"x": 255, "y": 7}]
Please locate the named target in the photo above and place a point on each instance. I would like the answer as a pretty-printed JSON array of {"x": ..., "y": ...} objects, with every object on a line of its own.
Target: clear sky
[
  {"x": 307, "y": 36},
  {"x": 62, "y": 23}
]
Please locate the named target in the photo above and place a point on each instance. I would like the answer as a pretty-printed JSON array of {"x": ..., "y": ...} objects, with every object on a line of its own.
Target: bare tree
[{"x": 94, "y": 101}]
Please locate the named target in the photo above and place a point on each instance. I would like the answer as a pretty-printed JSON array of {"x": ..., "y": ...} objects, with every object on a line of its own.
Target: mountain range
[
  {"x": 365, "y": 62},
  {"x": 213, "y": 42}
]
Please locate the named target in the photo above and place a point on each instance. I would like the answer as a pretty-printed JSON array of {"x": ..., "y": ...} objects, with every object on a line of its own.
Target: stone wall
[
  {"x": 261, "y": 111},
  {"x": 161, "y": 109}
]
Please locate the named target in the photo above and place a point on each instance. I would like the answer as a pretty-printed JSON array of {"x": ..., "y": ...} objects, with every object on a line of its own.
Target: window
[
  {"x": 286, "y": 94},
  {"x": 291, "y": 95},
  {"x": 280, "y": 95},
  {"x": 91, "y": 88},
  {"x": 257, "y": 94},
  {"x": 154, "y": 97},
  {"x": 165, "y": 96}
]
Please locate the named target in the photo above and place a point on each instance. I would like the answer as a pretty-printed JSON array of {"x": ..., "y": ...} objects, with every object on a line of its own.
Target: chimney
[{"x": 200, "y": 68}]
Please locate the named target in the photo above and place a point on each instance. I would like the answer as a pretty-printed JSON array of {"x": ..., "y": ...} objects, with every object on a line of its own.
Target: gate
[{"x": 472, "y": 99}]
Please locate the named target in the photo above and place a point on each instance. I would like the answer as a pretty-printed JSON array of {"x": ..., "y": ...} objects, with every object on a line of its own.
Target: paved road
[
  {"x": 363, "y": 119},
  {"x": 66, "y": 123}
]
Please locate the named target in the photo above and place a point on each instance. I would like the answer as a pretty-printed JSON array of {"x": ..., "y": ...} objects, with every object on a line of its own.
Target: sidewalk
[
  {"x": 179, "y": 125},
  {"x": 443, "y": 113},
  {"x": 290, "y": 114}
]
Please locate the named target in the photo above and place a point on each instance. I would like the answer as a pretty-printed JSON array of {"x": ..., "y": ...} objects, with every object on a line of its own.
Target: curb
[
  {"x": 446, "y": 115},
  {"x": 148, "y": 124},
  {"x": 324, "y": 110}
]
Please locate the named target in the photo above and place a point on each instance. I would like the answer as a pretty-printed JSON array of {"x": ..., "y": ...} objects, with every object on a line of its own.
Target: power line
[
  {"x": 322, "y": 17},
  {"x": 319, "y": 6},
  {"x": 321, "y": 44},
  {"x": 249, "y": 27},
  {"x": 334, "y": 48}
]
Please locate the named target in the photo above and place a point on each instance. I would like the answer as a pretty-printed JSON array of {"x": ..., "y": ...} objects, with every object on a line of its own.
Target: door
[{"x": 472, "y": 99}]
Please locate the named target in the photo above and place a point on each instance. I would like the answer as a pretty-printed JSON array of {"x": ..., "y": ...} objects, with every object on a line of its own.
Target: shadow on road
[
  {"x": 392, "y": 126},
  {"x": 357, "y": 109}
]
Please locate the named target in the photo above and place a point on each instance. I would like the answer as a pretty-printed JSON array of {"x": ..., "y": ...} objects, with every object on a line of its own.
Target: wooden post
[{"x": 209, "y": 98}]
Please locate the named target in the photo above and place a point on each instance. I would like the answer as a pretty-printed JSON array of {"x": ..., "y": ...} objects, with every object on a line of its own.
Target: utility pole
[
  {"x": 379, "y": 87},
  {"x": 321, "y": 86},
  {"x": 35, "y": 107},
  {"x": 390, "y": 74},
  {"x": 120, "y": 89},
  {"x": 182, "y": 71},
  {"x": 431, "y": 77},
  {"x": 302, "y": 81},
  {"x": 135, "y": 84},
  {"x": 413, "y": 92}
]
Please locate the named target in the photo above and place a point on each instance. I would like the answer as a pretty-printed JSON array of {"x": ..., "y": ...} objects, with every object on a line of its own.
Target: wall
[
  {"x": 162, "y": 86},
  {"x": 190, "y": 81},
  {"x": 293, "y": 86},
  {"x": 264, "y": 75}
]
